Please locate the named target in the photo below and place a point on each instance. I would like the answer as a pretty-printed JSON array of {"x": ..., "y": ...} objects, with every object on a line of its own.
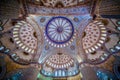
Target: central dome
[{"x": 59, "y": 31}]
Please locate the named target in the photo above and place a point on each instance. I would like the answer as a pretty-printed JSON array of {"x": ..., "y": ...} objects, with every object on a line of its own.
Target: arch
[
  {"x": 39, "y": 34},
  {"x": 52, "y": 52},
  {"x": 59, "y": 4}
]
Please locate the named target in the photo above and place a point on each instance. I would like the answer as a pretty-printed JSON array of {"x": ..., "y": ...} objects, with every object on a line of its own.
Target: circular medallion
[{"x": 59, "y": 31}]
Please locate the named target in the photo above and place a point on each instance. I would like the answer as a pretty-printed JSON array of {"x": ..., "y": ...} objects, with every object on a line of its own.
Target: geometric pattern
[
  {"x": 95, "y": 36},
  {"x": 59, "y": 31},
  {"x": 24, "y": 38},
  {"x": 60, "y": 60}
]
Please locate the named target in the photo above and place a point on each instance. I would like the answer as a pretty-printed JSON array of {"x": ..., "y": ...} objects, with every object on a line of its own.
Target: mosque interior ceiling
[{"x": 59, "y": 40}]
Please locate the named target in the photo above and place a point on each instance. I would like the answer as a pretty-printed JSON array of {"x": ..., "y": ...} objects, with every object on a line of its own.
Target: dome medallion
[{"x": 59, "y": 31}]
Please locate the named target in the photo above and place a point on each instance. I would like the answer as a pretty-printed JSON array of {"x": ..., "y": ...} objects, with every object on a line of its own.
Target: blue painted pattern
[{"x": 59, "y": 30}]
